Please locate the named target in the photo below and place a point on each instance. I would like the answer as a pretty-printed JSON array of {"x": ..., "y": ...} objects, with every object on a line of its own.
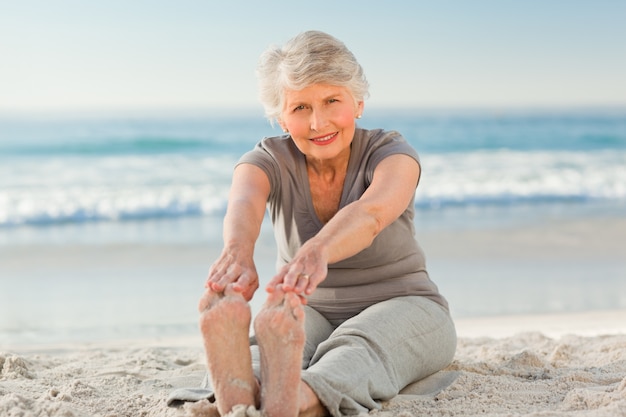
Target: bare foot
[
  {"x": 225, "y": 324},
  {"x": 279, "y": 328}
]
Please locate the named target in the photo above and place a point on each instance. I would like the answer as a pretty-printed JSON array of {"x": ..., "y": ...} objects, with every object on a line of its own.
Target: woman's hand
[
  {"x": 242, "y": 224},
  {"x": 233, "y": 268},
  {"x": 304, "y": 273}
]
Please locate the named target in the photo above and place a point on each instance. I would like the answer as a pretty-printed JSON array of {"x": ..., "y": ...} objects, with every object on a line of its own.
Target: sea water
[
  {"x": 164, "y": 180},
  {"x": 117, "y": 170}
]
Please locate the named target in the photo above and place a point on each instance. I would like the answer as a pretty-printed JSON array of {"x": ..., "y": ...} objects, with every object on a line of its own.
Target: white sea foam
[
  {"x": 78, "y": 189},
  {"x": 112, "y": 188},
  {"x": 500, "y": 177}
]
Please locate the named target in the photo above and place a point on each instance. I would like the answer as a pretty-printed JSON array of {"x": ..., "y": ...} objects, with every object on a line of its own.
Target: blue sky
[{"x": 119, "y": 55}]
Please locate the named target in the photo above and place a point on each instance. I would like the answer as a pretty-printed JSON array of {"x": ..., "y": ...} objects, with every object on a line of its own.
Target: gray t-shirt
[{"x": 393, "y": 265}]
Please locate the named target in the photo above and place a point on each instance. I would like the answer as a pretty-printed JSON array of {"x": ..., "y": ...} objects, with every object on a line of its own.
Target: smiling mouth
[{"x": 326, "y": 138}]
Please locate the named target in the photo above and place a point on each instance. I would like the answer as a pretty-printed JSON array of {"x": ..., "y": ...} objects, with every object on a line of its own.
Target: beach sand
[
  {"x": 565, "y": 363},
  {"x": 523, "y": 374}
]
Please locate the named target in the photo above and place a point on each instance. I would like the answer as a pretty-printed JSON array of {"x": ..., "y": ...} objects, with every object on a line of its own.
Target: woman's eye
[{"x": 300, "y": 107}]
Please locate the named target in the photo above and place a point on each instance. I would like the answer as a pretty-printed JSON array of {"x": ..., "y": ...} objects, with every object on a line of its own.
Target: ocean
[
  {"x": 75, "y": 171},
  {"x": 163, "y": 180}
]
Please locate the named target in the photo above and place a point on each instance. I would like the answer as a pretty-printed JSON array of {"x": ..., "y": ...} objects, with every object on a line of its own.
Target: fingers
[
  {"x": 247, "y": 284},
  {"x": 279, "y": 296},
  {"x": 302, "y": 283},
  {"x": 244, "y": 278},
  {"x": 305, "y": 272},
  {"x": 211, "y": 298},
  {"x": 220, "y": 276},
  {"x": 294, "y": 279}
]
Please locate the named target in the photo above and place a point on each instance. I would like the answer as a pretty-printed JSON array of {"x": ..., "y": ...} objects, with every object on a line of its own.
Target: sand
[
  {"x": 516, "y": 373},
  {"x": 566, "y": 364}
]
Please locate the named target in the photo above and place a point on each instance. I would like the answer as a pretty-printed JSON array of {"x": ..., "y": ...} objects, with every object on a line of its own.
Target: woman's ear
[
  {"x": 359, "y": 109},
  {"x": 283, "y": 126}
]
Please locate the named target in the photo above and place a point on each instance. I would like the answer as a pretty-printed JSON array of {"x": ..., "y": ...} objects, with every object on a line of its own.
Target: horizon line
[{"x": 250, "y": 111}]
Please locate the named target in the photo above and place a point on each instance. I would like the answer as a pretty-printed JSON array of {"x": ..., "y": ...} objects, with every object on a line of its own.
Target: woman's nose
[{"x": 319, "y": 120}]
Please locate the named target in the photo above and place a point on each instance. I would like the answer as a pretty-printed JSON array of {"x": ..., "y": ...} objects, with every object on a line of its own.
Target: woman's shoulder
[
  {"x": 273, "y": 146},
  {"x": 376, "y": 139},
  {"x": 275, "y": 142},
  {"x": 380, "y": 136},
  {"x": 274, "y": 154}
]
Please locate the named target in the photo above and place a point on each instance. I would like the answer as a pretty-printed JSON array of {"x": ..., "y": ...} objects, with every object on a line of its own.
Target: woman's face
[{"x": 320, "y": 119}]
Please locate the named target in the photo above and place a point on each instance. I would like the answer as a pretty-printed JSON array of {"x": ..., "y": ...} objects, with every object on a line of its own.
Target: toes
[
  {"x": 275, "y": 298},
  {"x": 294, "y": 304},
  {"x": 230, "y": 291},
  {"x": 208, "y": 300}
]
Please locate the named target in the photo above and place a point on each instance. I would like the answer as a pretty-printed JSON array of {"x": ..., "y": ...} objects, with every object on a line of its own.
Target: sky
[{"x": 126, "y": 55}]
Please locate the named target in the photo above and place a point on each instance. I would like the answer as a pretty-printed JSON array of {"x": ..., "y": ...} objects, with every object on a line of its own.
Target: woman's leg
[
  {"x": 225, "y": 324},
  {"x": 317, "y": 329},
  {"x": 372, "y": 356},
  {"x": 279, "y": 329}
]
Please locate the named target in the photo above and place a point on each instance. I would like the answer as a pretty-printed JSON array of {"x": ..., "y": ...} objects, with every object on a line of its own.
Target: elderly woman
[{"x": 352, "y": 316}]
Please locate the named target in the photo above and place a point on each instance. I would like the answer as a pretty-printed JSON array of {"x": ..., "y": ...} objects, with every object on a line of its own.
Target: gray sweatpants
[{"x": 372, "y": 356}]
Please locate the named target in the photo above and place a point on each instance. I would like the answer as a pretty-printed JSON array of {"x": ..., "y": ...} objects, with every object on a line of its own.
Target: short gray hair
[{"x": 311, "y": 57}]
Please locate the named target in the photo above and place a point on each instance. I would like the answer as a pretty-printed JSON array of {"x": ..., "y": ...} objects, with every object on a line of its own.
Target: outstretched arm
[
  {"x": 354, "y": 227},
  {"x": 242, "y": 224}
]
